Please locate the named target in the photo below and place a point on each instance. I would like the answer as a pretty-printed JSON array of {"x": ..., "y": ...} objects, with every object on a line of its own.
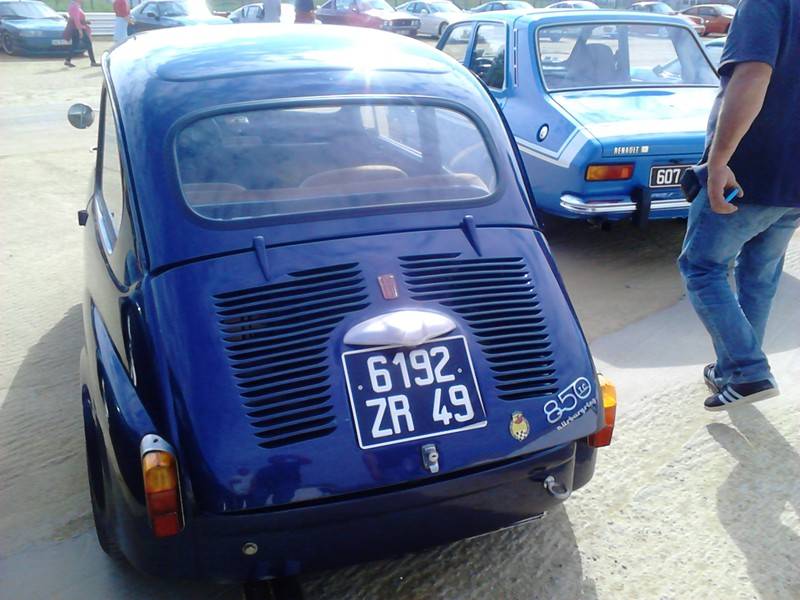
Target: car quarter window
[
  {"x": 489, "y": 54},
  {"x": 288, "y": 161},
  {"x": 112, "y": 193},
  {"x": 458, "y": 41},
  {"x": 614, "y": 55}
]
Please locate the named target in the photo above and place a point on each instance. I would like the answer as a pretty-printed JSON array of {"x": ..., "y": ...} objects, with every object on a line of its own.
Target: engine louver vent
[
  {"x": 496, "y": 297},
  {"x": 276, "y": 337}
]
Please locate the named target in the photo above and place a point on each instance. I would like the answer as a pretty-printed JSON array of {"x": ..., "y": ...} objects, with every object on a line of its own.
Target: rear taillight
[
  {"x": 616, "y": 172},
  {"x": 161, "y": 487},
  {"x": 609, "y": 395}
]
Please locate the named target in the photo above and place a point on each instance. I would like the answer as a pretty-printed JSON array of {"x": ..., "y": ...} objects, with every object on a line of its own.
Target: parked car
[
  {"x": 716, "y": 18},
  {"x": 160, "y": 14},
  {"x": 501, "y": 5},
  {"x": 574, "y": 5},
  {"x": 375, "y": 14},
  {"x": 31, "y": 27},
  {"x": 605, "y": 128},
  {"x": 662, "y": 8},
  {"x": 434, "y": 17},
  {"x": 322, "y": 325},
  {"x": 254, "y": 13}
]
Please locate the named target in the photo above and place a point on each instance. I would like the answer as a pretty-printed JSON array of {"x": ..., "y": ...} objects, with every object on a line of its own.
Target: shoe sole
[{"x": 757, "y": 397}]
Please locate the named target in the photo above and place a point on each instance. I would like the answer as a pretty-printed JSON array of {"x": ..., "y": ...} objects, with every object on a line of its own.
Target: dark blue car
[
  {"x": 160, "y": 14},
  {"x": 609, "y": 108},
  {"x": 31, "y": 27},
  {"x": 322, "y": 324}
]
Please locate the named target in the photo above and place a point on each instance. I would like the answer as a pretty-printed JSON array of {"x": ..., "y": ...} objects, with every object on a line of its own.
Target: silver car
[{"x": 434, "y": 16}]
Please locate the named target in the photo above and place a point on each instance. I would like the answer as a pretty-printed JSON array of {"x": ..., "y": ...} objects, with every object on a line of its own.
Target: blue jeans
[{"x": 756, "y": 237}]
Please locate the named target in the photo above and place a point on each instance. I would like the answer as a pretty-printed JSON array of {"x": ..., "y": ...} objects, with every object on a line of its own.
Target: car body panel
[
  {"x": 649, "y": 126},
  {"x": 167, "y": 351}
]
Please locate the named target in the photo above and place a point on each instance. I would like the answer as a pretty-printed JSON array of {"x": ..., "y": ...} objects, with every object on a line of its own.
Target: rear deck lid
[{"x": 274, "y": 407}]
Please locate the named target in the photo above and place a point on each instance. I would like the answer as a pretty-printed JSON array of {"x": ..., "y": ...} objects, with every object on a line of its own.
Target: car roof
[{"x": 215, "y": 51}]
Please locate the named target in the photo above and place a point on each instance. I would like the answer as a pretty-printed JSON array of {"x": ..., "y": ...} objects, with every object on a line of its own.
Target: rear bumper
[
  {"x": 581, "y": 207},
  {"x": 359, "y": 529}
]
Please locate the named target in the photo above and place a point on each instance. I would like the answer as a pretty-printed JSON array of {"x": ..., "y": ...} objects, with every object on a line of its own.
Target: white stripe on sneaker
[
  {"x": 733, "y": 393},
  {"x": 727, "y": 397}
]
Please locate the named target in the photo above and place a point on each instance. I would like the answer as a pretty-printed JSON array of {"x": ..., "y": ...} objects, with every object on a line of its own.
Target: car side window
[
  {"x": 488, "y": 58},
  {"x": 111, "y": 185},
  {"x": 457, "y": 42}
]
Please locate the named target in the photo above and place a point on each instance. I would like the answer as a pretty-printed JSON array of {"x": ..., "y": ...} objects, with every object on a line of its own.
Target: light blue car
[{"x": 608, "y": 108}]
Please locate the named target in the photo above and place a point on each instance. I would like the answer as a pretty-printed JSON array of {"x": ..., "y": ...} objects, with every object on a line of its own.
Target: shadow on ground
[
  {"x": 759, "y": 497},
  {"x": 535, "y": 561}
]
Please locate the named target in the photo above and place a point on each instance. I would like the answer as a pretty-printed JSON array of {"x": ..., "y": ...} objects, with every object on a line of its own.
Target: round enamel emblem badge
[{"x": 519, "y": 426}]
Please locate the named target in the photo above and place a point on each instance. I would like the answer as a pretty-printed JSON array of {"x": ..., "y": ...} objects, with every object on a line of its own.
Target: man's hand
[{"x": 721, "y": 178}]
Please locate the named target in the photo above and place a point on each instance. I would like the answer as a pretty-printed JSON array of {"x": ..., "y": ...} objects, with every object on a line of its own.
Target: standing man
[
  {"x": 272, "y": 11},
  {"x": 123, "y": 15},
  {"x": 753, "y": 145}
]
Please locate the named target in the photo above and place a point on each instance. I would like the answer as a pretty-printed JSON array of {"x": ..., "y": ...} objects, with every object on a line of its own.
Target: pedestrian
[
  {"x": 272, "y": 11},
  {"x": 304, "y": 11},
  {"x": 753, "y": 144},
  {"x": 79, "y": 33},
  {"x": 123, "y": 16}
]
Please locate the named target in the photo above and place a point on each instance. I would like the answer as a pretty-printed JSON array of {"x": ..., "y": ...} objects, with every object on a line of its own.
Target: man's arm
[{"x": 744, "y": 97}]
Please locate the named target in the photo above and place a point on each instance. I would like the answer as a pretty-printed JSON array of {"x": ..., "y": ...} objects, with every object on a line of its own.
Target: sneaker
[
  {"x": 95, "y": 64},
  {"x": 741, "y": 393},
  {"x": 710, "y": 378},
  {"x": 68, "y": 63}
]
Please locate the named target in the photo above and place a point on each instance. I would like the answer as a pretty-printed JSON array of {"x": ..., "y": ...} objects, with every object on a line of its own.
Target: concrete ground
[{"x": 685, "y": 504}]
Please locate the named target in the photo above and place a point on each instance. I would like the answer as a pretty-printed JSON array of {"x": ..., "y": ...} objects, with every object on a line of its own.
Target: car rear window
[
  {"x": 283, "y": 161},
  {"x": 617, "y": 55}
]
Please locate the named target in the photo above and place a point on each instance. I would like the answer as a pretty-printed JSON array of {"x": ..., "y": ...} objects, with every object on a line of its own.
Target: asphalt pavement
[{"x": 685, "y": 504}]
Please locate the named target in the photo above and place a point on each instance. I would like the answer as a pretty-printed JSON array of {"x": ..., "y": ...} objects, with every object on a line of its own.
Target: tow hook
[{"x": 556, "y": 489}]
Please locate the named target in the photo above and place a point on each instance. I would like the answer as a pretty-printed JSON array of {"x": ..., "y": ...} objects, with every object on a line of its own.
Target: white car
[
  {"x": 575, "y": 4},
  {"x": 434, "y": 16},
  {"x": 254, "y": 13}
]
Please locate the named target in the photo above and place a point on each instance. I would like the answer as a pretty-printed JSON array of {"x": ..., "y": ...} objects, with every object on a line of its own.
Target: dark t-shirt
[
  {"x": 304, "y": 5},
  {"x": 766, "y": 161}
]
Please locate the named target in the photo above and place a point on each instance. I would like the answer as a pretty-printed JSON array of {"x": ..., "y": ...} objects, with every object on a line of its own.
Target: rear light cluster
[
  {"x": 609, "y": 395},
  {"x": 614, "y": 172},
  {"x": 161, "y": 487}
]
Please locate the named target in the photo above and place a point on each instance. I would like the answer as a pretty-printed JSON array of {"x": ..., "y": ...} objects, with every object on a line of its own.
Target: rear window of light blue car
[
  {"x": 621, "y": 55},
  {"x": 288, "y": 161}
]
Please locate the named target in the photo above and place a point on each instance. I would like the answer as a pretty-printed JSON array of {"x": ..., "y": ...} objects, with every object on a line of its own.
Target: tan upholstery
[{"x": 353, "y": 175}]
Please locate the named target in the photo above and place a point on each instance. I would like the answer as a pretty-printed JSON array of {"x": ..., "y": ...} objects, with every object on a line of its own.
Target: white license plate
[
  {"x": 60, "y": 43},
  {"x": 667, "y": 176}
]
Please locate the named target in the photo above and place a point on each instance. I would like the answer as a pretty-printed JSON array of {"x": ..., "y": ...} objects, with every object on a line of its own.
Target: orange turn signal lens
[
  {"x": 162, "y": 492},
  {"x": 609, "y": 394},
  {"x": 609, "y": 172}
]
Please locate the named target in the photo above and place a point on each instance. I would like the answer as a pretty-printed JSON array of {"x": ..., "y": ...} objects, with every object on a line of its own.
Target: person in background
[
  {"x": 304, "y": 11},
  {"x": 272, "y": 11},
  {"x": 753, "y": 145},
  {"x": 123, "y": 16},
  {"x": 81, "y": 33}
]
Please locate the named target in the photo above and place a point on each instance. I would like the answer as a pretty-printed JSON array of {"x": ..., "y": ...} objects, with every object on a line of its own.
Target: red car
[
  {"x": 376, "y": 14},
  {"x": 716, "y": 17},
  {"x": 662, "y": 8}
]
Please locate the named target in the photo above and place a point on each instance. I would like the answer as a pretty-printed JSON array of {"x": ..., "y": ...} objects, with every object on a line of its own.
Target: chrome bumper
[{"x": 577, "y": 206}]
